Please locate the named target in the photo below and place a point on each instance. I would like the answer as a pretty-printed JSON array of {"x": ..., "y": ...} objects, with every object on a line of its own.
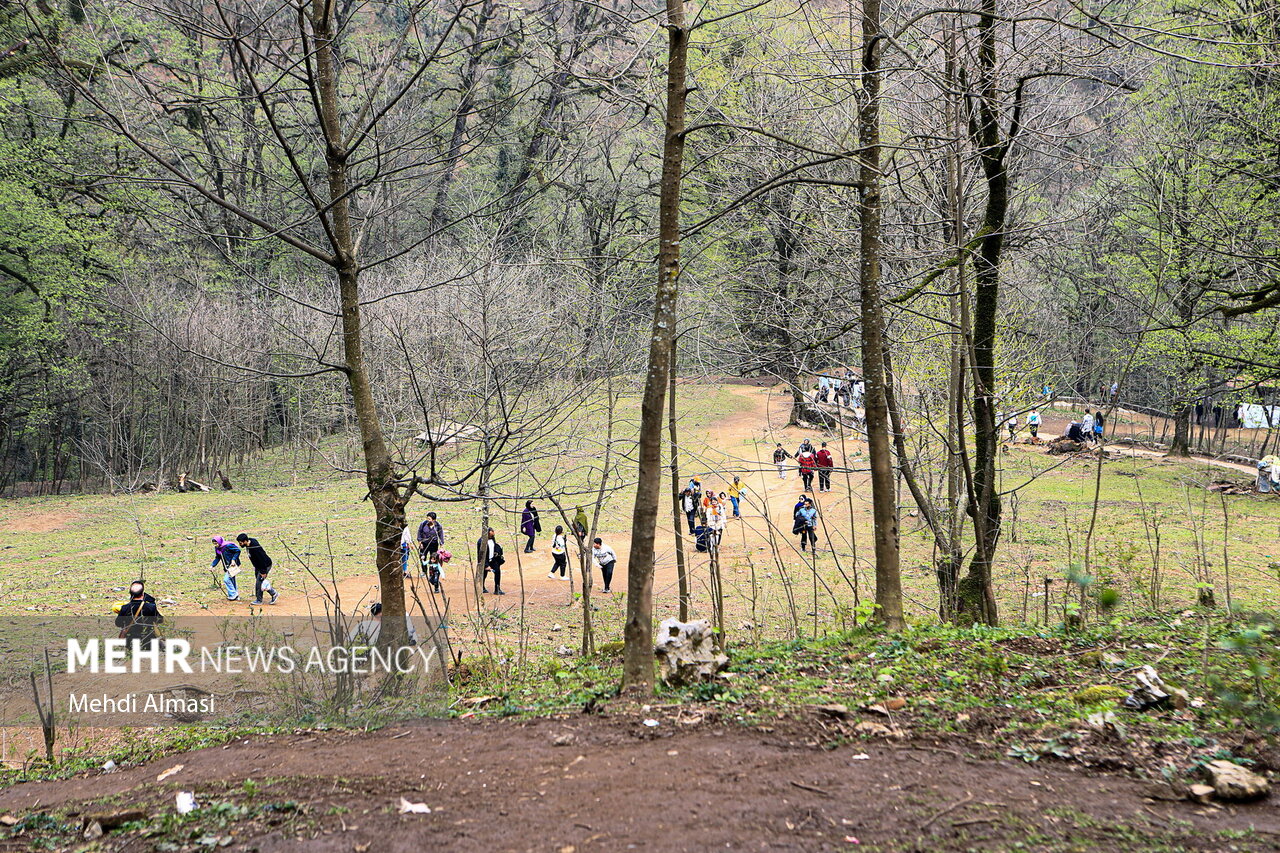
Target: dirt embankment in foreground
[{"x": 590, "y": 783}]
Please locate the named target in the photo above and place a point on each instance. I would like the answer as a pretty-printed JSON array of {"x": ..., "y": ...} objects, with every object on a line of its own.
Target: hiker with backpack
[{"x": 808, "y": 465}]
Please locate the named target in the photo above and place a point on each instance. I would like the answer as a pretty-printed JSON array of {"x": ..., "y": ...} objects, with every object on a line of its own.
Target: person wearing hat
[
  {"x": 227, "y": 554},
  {"x": 695, "y": 488}
]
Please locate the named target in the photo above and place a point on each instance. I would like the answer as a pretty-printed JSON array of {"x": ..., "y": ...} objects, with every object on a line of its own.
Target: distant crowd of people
[{"x": 842, "y": 389}]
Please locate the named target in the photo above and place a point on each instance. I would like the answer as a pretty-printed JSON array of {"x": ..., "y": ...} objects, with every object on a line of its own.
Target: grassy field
[{"x": 1158, "y": 534}]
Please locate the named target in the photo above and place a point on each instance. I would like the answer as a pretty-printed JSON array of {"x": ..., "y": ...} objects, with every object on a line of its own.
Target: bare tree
[{"x": 638, "y": 630}]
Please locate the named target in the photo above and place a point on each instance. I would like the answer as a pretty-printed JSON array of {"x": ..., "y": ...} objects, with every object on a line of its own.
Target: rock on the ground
[
  {"x": 1201, "y": 793},
  {"x": 1235, "y": 783},
  {"x": 686, "y": 652}
]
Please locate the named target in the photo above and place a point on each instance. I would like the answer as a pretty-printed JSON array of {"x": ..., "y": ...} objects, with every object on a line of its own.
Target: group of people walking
[
  {"x": 846, "y": 390},
  {"x": 810, "y": 461},
  {"x": 490, "y": 557},
  {"x": 1088, "y": 430},
  {"x": 227, "y": 556},
  {"x": 708, "y": 512}
]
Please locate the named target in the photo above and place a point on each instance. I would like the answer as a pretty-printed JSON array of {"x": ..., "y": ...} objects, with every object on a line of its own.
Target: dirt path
[
  {"x": 1144, "y": 453},
  {"x": 740, "y": 444},
  {"x": 586, "y": 784}
]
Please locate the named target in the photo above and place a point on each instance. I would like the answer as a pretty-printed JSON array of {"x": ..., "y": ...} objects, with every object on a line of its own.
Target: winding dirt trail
[{"x": 740, "y": 443}]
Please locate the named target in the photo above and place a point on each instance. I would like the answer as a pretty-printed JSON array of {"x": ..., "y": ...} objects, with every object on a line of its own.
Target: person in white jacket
[
  {"x": 607, "y": 560},
  {"x": 559, "y": 552},
  {"x": 716, "y": 520}
]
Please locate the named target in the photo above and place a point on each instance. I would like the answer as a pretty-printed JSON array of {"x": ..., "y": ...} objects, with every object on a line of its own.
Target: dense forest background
[{"x": 165, "y": 307}]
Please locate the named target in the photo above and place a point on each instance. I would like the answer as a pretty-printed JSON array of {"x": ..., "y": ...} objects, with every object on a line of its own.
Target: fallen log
[
  {"x": 1232, "y": 487},
  {"x": 186, "y": 484}
]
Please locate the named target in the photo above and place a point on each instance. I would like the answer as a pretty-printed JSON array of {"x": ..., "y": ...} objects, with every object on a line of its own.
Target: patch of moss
[{"x": 1097, "y": 694}]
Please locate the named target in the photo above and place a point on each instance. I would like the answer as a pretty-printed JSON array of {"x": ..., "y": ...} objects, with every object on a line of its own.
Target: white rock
[
  {"x": 686, "y": 652},
  {"x": 407, "y": 807},
  {"x": 1232, "y": 782},
  {"x": 185, "y": 802}
]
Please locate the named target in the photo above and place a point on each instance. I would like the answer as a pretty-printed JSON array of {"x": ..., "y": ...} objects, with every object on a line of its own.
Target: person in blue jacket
[{"x": 227, "y": 554}]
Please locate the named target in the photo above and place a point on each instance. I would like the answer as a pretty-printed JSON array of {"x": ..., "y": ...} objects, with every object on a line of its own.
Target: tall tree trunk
[
  {"x": 976, "y": 595},
  {"x": 637, "y": 671},
  {"x": 884, "y": 505},
  {"x": 1181, "y": 443},
  {"x": 467, "y": 83},
  {"x": 950, "y": 559},
  {"x": 677, "y": 515},
  {"x": 388, "y": 503}
]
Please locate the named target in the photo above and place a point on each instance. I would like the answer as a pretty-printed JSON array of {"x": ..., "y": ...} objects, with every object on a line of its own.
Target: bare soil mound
[{"x": 589, "y": 783}]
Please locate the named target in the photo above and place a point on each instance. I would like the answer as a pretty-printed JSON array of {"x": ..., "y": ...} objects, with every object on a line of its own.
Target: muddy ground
[{"x": 587, "y": 783}]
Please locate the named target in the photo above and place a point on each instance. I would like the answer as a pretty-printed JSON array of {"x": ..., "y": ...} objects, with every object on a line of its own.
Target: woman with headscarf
[
  {"x": 530, "y": 524},
  {"x": 227, "y": 554}
]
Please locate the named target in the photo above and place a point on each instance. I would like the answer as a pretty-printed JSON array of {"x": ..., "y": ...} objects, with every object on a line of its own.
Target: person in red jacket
[
  {"x": 808, "y": 464},
  {"x": 825, "y": 463}
]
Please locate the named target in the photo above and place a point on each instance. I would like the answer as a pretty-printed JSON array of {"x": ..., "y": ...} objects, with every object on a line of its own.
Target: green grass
[{"x": 1011, "y": 687}]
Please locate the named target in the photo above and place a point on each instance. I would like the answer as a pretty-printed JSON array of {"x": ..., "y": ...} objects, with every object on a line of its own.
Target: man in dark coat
[
  {"x": 261, "y": 562},
  {"x": 138, "y": 619}
]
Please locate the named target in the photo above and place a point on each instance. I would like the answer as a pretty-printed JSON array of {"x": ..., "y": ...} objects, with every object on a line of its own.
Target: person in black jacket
[
  {"x": 138, "y": 619},
  {"x": 489, "y": 556},
  {"x": 430, "y": 539},
  {"x": 261, "y": 563},
  {"x": 530, "y": 523}
]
